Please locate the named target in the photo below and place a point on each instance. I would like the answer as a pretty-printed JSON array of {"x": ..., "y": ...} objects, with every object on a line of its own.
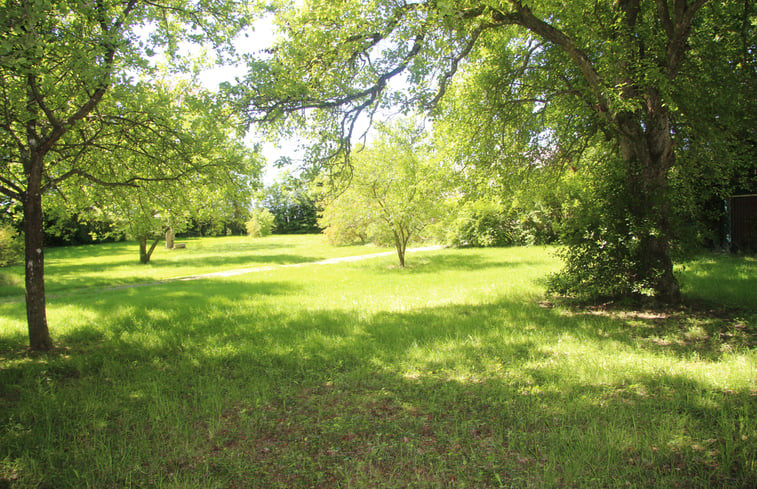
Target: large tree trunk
[
  {"x": 39, "y": 334},
  {"x": 648, "y": 155}
]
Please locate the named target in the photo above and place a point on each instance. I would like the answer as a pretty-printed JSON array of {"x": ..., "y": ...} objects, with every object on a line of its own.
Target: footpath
[
  {"x": 232, "y": 273},
  {"x": 244, "y": 271}
]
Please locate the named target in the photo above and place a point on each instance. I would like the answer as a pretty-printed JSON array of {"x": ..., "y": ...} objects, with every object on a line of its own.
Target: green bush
[
  {"x": 485, "y": 223},
  {"x": 11, "y": 246},
  {"x": 260, "y": 223},
  {"x": 603, "y": 243},
  {"x": 481, "y": 224}
]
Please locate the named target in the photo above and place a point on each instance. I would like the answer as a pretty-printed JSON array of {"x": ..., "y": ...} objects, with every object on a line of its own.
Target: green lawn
[
  {"x": 113, "y": 264},
  {"x": 453, "y": 373}
]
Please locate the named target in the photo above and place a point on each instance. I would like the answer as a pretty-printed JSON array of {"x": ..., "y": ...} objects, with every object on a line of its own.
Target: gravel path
[{"x": 235, "y": 272}]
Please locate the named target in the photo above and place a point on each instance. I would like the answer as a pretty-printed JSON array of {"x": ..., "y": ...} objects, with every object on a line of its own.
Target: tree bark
[
  {"x": 648, "y": 154},
  {"x": 398, "y": 244},
  {"x": 401, "y": 239},
  {"x": 39, "y": 334}
]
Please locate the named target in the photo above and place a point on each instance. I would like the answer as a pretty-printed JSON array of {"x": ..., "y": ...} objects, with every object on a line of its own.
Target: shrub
[
  {"x": 480, "y": 224},
  {"x": 260, "y": 223},
  {"x": 11, "y": 246},
  {"x": 603, "y": 254}
]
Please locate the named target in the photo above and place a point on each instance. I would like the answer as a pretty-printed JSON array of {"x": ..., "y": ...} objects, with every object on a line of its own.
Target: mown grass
[
  {"x": 113, "y": 264},
  {"x": 452, "y": 373}
]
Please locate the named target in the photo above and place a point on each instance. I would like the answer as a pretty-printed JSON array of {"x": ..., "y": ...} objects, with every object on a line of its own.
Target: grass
[
  {"x": 114, "y": 264},
  {"x": 453, "y": 373}
]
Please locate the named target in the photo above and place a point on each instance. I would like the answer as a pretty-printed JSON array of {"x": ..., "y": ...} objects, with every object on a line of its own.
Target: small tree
[
  {"x": 395, "y": 191},
  {"x": 260, "y": 223}
]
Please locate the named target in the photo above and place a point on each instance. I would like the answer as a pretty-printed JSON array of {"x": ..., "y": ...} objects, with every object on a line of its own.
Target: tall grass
[{"x": 452, "y": 373}]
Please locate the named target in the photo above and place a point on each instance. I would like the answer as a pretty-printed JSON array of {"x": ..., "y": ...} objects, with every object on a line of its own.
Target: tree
[
  {"x": 260, "y": 223},
  {"x": 210, "y": 171},
  {"x": 614, "y": 68},
  {"x": 292, "y": 206},
  {"x": 396, "y": 189},
  {"x": 66, "y": 79}
]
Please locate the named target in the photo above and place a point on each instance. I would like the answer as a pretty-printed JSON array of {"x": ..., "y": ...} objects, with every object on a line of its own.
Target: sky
[{"x": 261, "y": 37}]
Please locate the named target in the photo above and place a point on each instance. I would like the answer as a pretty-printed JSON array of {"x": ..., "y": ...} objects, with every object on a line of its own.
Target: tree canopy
[
  {"x": 72, "y": 83},
  {"x": 533, "y": 83}
]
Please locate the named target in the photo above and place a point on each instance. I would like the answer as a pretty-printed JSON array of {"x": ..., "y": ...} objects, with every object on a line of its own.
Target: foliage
[
  {"x": 345, "y": 219},
  {"x": 540, "y": 80},
  {"x": 481, "y": 224},
  {"x": 485, "y": 222},
  {"x": 74, "y": 102},
  {"x": 260, "y": 223},
  {"x": 717, "y": 130},
  {"x": 451, "y": 373},
  {"x": 207, "y": 177},
  {"x": 602, "y": 240},
  {"x": 292, "y": 205},
  {"x": 395, "y": 191},
  {"x": 11, "y": 246}
]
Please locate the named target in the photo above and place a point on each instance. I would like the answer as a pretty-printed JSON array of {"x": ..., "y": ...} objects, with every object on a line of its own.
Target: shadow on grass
[
  {"x": 208, "y": 384},
  {"x": 721, "y": 280},
  {"x": 131, "y": 248},
  {"x": 80, "y": 277}
]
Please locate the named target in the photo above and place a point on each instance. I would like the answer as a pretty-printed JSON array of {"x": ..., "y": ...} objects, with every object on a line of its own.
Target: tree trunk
[
  {"x": 144, "y": 252},
  {"x": 398, "y": 244},
  {"x": 143, "y": 256},
  {"x": 648, "y": 155},
  {"x": 39, "y": 334},
  {"x": 401, "y": 239},
  {"x": 169, "y": 239}
]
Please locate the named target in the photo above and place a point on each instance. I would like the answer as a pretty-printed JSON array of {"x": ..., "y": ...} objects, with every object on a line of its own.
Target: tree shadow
[
  {"x": 721, "y": 281},
  {"x": 217, "y": 381},
  {"x": 425, "y": 264}
]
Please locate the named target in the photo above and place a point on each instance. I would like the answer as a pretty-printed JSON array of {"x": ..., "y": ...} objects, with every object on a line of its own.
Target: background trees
[
  {"x": 547, "y": 79},
  {"x": 292, "y": 204}
]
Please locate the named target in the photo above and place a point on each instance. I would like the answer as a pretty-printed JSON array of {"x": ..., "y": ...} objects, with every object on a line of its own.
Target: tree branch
[
  {"x": 447, "y": 77},
  {"x": 664, "y": 14},
  {"x": 31, "y": 79},
  {"x": 525, "y": 18},
  {"x": 10, "y": 189},
  {"x": 683, "y": 18}
]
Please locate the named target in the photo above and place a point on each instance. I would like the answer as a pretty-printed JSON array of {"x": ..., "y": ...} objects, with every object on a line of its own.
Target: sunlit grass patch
[
  {"x": 94, "y": 266},
  {"x": 451, "y": 373}
]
